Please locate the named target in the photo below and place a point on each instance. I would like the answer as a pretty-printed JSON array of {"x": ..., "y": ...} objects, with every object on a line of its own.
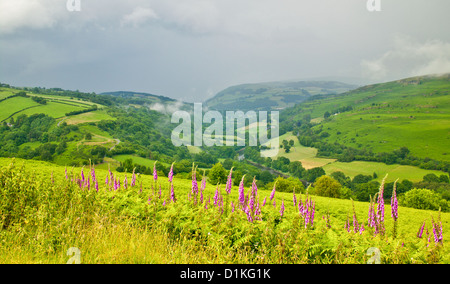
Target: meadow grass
[{"x": 135, "y": 225}]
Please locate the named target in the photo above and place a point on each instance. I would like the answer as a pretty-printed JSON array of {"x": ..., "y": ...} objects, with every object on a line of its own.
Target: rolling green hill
[
  {"x": 273, "y": 95},
  {"x": 412, "y": 113}
]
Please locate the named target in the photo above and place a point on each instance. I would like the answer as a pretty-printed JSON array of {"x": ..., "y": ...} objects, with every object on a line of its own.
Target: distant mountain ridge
[
  {"x": 128, "y": 94},
  {"x": 273, "y": 95}
]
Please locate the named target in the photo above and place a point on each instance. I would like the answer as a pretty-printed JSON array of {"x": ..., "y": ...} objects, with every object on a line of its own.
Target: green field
[
  {"x": 92, "y": 116},
  {"x": 307, "y": 156},
  {"x": 52, "y": 109},
  {"x": 394, "y": 172},
  {"x": 15, "y": 105},
  {"x": 55, "y": 107}
]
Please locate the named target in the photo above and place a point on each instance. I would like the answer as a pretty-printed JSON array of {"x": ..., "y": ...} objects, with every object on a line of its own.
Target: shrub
[
  {"x": 328, "y": 187},
  {"x": 424, "y": 199},
  {"x": 287, "y": 185}
]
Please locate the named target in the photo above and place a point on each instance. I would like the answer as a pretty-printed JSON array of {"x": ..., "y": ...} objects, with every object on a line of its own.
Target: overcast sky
[{"x": 192, "y": 49}]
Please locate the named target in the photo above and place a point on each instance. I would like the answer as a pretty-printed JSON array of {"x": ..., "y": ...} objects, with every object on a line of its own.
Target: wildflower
[
  {"x": 301, "y": 208},
  {"x": 394, "y": 204},
  {"x": 258, "y": 211},
  {"x": 96, "y": 185},
  {"x": 203, "y": 186},
  {"x": 420, "y": 232},
  {"x": 347, "y": 224},
  {"x": 155, "y": 173},
  {"x": 111, "y": 175},
  {"x": 194, "y": 182},
  {"x": 294, "y": 198},
  {"x": 94, "y": 178},
  {"x": 171, "y": 173},
  {"x": 159, "y": 193},
  {"x": 241, "y": 192},
  {"x": 116, "y": 185},
  {"x": 313, "y": 211},
  {"x": 282, "y": 208},
  {"x": 216, "y": 196},
  {"x": 125, "y": 182},
  {"x": 380, "y": 207},
  {"x": 249, "y": 215},
  {"x": 82, "y": 176},
  {"x": 272, "y": 195},
  {"x": 253, "y": 195},
  {"x": 229, "y": 184},
  {"x": 133, "y": 178},
  {"x": 371, "y": 218},
  {"x": 327, "y": 218},
  {"x": 67, "y": 177},
  {"x": 361, "y": 229},
  {"x": 264, "y": 201},
  {"x": 106, "y": 180},
  {"x": 172, "y": 194},
  {"x": 437, "y": 231},
  {"x": 254, "y": 188},
  {"x": 355, "y": 224}
]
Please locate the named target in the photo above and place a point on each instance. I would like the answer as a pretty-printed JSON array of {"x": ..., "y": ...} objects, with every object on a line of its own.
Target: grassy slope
[
  {"x": 123, "y": 244},
  {"x": 388, "y": 116}
]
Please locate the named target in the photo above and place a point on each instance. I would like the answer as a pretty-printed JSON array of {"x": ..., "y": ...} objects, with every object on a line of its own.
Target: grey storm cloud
[{"x": 192, "y": 49}]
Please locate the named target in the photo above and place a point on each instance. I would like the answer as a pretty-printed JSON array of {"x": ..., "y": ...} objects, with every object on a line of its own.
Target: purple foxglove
[
  {"x": 394, "y": 204},
  {"x": 82, "y": 176},
  {"x": 241, "y": 192},
  {"x": 272, "y": 195},
  {"x": 155, "y": 173},
  {"x": 295, "y": 198},
  {"x": 172, "y": 194},
  {"x": 229, "y": 182},
  {"x": 282, "y": 209},
  {"x": 313, "y": 211},
  {"x": 194, "y": 183},
  {"x": 216, "y": 196},
  {"x": 171, "y": 173},
  {"x": 420, "y": 232},
  {"x": 133, "y": 178},
  {"x": 254, "y": 188}
]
